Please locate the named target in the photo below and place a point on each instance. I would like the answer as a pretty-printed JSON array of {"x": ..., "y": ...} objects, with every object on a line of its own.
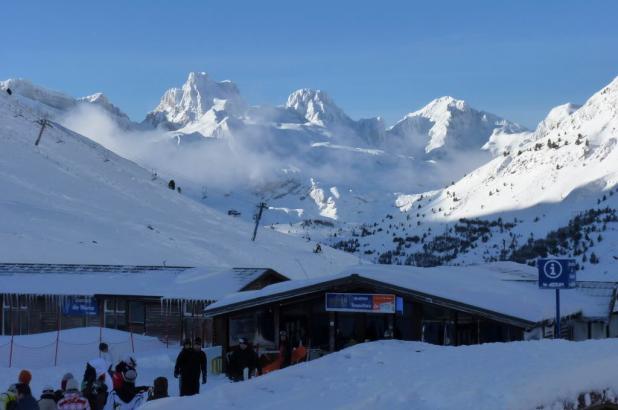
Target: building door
[{"x": 296, "y": 329}]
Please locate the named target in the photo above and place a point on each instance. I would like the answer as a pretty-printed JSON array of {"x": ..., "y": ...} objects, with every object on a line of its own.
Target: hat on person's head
[
  {"x": 47, "y": 389},
  {"x": 198, "y": 341},
  {"x": 187, "y": 342},
  {"x": 25, "y": 377},
  {"x": 72, "y": 385},
  {"x": 103, "y": 347},
  {"x": 65, "y": 379},
  {"x": 129, "y": 376},
  {"x": 242, "y": 340}
]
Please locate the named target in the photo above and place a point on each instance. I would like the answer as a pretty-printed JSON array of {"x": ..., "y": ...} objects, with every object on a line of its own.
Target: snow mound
[{"x": 403, "y": 375}]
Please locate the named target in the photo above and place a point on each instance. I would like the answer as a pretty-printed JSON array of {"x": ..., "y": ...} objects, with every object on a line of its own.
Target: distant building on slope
[{"x": 162, "y": 301}]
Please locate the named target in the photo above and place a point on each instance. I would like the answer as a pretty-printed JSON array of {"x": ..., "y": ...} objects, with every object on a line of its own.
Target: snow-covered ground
[
  {"x": 412, "y": 375},
  {"x": 36, "y": 354},
  {"x": 385, "y": 374}
]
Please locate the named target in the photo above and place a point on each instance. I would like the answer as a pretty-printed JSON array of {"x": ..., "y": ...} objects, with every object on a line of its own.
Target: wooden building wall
[{"x": 169, "y": 321}]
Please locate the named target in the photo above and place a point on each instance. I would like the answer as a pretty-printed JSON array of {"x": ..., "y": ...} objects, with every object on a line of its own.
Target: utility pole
[
  {"x": 261, "y": 208},
  {"x": 43, "y": 123}
]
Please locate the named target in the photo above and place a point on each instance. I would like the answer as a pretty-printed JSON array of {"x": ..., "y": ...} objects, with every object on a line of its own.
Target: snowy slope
[
  {"x": 71, "y": 200},
  {"x": 53, "y": 104},
  {"x": 551, "y": 191},
  {"x": 446, "y": 184},
  {"x": 307, "y": 158},
  {"x": 411, "y": 375}
]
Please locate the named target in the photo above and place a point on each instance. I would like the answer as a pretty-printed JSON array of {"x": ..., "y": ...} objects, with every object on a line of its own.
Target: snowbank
[{"x": 403, "y": 375}]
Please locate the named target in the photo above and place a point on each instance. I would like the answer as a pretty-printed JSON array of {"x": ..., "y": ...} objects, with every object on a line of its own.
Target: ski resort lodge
[
  {"x": 162, "y": 301},
  {"x": 448, "y": 305}
]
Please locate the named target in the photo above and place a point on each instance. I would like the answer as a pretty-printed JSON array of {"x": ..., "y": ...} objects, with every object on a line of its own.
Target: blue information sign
[
  {"x": 556, "y": 273},
  {"x": 80, "y": 306},
  {"x": 360, "y": 302}
]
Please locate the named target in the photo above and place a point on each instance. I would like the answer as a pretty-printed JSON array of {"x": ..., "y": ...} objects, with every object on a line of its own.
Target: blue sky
[{"x": 516, "y": 59}]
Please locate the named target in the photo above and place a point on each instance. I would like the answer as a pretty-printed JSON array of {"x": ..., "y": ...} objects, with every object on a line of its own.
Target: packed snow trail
[{"x": 411, "y": 375}]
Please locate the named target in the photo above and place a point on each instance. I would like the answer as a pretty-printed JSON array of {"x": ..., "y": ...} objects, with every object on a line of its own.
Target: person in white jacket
[
  {"x": 106, "y": 354},
  {"x": 127, "y": 397}
]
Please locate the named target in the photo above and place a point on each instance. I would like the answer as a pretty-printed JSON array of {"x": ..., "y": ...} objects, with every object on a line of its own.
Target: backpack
[{"x": 6, "y": 399}]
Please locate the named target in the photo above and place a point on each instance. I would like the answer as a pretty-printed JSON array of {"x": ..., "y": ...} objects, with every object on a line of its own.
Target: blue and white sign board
[
  {"x": 556, "y": 273},
  {"x": 360, "y": 302},
  {"x": 80, "y": 306}
]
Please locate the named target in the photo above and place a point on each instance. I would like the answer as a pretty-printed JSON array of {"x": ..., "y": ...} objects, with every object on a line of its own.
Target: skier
[
  {"x": 9, "y": 92},
  {"x": 73, "y": 400},
  {"x": 106, "y": 354},
  {"x": 25, "y": 401},
  {"x": 96, "y": 382},
  {"x": 243, "y": 357},
  {"x": 128, "y": 363},
  {"x": 188, "y": 370},
  {"x": 48, "y": 399},
  {"x": 197, "y": 345},
  {"x": 318, "y": 248},
  {"x": 128, "y": 397}
]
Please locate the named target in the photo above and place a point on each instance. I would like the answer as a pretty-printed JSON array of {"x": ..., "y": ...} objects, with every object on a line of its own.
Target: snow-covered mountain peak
[
  {"x": 440, "y": 107},
  {"x": 447, "y": 125},
  {"x": 101, "y": 100},
  {"x": 317, "y": 107},
  {"x": 180, "y": 106}
]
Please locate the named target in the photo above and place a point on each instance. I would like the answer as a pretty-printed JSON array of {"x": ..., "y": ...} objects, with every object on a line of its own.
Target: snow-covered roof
[
  {"x": 505, "y": 288},
  {"x": 167, "y": 282}
]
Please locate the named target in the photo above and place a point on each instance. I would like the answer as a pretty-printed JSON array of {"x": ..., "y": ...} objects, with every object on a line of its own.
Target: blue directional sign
[
  {"x": 79, "y": 306},
  {"x": 556, "y": 273}
]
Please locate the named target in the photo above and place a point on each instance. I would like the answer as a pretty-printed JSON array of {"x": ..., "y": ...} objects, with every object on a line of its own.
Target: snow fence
[{"x": 70, "y": 346}]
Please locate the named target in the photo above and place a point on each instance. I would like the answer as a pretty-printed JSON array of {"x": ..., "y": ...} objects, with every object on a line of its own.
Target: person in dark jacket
[
  {"x": 197, "y": 345},
  {"x": 159, "y": 389},
  {"x": 188, "y": 369},
  {"x": 25, "y": 401},
  {"x": 285, "y": 349},
  {"x": 243, "y": 357}
]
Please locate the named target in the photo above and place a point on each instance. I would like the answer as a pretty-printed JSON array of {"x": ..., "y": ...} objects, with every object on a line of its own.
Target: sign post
[{"x": 556, "y": 274}]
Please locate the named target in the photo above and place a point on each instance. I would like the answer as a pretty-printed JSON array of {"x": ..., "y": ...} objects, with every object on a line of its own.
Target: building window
[
  {"x": 115, "y": 313},
  {"x": 137, "y": 313},
  {"x": 15, "y": 317}
]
